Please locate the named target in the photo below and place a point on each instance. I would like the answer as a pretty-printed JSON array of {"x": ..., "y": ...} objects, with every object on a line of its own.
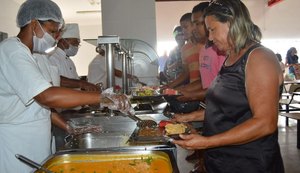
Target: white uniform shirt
[
  {"x": 49, "y": 71},
  {"x": 21, "y": 80},
  {"x": 97, "y": 71},
  {"x": 66, "y": 66},
  {"x": 24, "y": 124}
]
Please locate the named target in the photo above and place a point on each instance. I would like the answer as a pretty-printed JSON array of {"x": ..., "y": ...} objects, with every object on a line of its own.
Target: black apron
[{"x": 227, "y": 106}]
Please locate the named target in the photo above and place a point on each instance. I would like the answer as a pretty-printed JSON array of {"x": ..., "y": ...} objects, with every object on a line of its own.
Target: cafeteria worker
[{"x": 26, "y": 96}]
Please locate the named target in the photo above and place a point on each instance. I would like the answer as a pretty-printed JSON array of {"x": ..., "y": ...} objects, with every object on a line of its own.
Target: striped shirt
[{"x": 190, "y": 57}]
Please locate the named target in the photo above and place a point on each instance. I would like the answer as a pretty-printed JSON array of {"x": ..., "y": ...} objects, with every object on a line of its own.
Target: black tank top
[{"x": 228, "y": 106}]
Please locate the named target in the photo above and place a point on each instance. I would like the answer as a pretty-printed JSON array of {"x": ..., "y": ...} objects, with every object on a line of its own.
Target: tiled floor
[
  {"x": 183, "y": 165},
  {"x": 288, "y": 145},
  {"x": 287, "y": 141}
]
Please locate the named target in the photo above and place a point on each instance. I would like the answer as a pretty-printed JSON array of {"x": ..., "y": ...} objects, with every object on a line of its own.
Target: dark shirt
[
  {"x": 173, "y": 66},
  {"x": 292, "y": 59},
  {"x": 227, "y": 107}
]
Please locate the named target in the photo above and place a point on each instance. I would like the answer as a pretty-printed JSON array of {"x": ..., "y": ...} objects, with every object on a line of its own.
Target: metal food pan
[
  {"x": 97, "y": 140},
  {"x": 112, "y": 161},
  {"x": 109, "y": 124}
]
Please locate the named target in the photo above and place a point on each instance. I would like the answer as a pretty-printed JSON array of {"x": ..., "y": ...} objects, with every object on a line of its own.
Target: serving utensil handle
[
  {"x": 31, "y": 163},
  {"x": 133, "y": 117}
]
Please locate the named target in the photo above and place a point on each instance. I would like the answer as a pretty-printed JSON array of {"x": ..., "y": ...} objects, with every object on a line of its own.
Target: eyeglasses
[{"x": 219, "y": 6}]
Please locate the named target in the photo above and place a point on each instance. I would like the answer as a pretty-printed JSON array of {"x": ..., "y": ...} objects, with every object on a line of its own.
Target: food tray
[
  {"x": 148, "y": 97},
  {"x": 155, "y": 135}
]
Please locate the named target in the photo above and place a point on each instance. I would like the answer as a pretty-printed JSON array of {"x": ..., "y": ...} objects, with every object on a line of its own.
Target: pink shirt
[{"x": 210, "y": 64}]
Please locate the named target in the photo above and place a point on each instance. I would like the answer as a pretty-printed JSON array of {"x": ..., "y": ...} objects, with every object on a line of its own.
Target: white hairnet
[{"x": 38, "y": 9}]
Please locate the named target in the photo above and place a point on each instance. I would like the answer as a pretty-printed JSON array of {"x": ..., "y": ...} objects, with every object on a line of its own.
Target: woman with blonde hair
[{"x": 240, "y": 121}]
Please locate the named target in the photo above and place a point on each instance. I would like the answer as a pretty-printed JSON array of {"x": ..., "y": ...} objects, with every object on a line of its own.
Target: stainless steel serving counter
[
  {"x": 115, "y": 136},
  {"x": 116, "y": 131},
  {"x": 111, "y": 123}
]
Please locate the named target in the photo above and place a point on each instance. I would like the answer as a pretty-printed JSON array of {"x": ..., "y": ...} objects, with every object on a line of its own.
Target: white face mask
[
  {"x": 72, "y": 50},
  {"x": 40, "y": 45}
]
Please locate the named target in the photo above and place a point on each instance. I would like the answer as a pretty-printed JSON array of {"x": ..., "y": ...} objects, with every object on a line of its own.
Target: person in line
[
  {"x": 280, "y": 62},
  {"x": 292, "y": 60},
  {"x": 190, "y": 61},
  {"x": 210, "y": 59},
  {"x": 189, "y": 54},
  {"x": 240, "y": 122},
  {"x": 173, "y": 66},
  {"x": 161, "y": 66},
  {"x": 26, "y": 96},
  {"x": 210, "y": 62}
]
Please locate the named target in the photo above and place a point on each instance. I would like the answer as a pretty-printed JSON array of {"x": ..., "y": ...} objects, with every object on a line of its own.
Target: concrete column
[{"x": 133, "y": 19}]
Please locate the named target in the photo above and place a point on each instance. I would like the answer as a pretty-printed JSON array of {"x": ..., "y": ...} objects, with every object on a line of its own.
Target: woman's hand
[
  {"x": 192, "y": 141},
  {"x": 188, "y": 117},
  {"x": 182, "y": 118},
  {"x": 165, "y": 87}
]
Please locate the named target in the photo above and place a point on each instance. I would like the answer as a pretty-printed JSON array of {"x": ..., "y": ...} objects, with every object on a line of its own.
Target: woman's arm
[
  {"x": 183, "y": 76},
  {"x": 189, "y": 117}
]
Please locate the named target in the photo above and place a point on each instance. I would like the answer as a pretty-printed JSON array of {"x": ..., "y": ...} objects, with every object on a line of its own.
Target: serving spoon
[{"x": 32, "y": 163}]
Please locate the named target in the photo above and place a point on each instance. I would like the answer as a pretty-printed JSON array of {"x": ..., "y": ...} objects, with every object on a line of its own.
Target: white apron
[{"x": 26, "y": 139}]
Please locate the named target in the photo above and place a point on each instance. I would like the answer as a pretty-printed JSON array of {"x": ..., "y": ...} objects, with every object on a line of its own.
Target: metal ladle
[
  {"x": 141, "y": 123},
  {"x": 131, "y": 114},
  {"x": 32, "y": 163}
]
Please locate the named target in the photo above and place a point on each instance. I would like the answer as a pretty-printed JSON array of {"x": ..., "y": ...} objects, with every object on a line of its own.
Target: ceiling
[{"x": 84, "y": 12}]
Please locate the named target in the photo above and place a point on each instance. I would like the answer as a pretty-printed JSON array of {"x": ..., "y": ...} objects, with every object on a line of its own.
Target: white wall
[
  {"x": 8, "y": 13},
  {"x": 279, "y": 24},
  {"x": 278, "y": 21},
  {"x": 134, "y": 19}
]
